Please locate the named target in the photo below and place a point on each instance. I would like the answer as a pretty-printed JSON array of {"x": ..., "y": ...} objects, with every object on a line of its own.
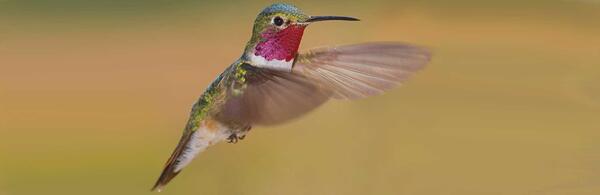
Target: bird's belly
[{"x": 208, "y": 133}]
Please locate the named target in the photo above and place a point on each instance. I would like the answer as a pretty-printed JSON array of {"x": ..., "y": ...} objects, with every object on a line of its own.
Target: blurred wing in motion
[
  {"x": 347, "y": 72},
  {"x": 361, "y": 70},
  {"x": 271, "y": 97}
]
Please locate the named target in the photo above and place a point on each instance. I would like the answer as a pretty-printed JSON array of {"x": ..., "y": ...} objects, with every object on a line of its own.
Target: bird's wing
[
  {"x": 361, "y": 70},
  {"x": 267, "y": 97}
]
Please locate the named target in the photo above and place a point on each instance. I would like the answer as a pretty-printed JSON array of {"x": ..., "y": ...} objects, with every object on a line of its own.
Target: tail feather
[
  {"x": 190, "y": 145},
  {"x": 169, "y": 172}
]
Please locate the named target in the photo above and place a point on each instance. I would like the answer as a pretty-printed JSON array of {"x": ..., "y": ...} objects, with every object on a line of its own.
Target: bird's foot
[{"x": 234, "y": 138}]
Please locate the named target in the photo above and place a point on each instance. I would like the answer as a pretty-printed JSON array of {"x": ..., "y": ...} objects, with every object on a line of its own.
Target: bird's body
[{"x": 272, "y": 83}]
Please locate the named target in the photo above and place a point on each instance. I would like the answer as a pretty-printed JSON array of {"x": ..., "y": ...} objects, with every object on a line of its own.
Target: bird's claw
[{"x": 234, "y": 138}]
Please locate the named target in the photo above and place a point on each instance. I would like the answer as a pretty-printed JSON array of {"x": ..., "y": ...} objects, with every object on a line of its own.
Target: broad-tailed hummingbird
[{"x": 272, "y": 83}]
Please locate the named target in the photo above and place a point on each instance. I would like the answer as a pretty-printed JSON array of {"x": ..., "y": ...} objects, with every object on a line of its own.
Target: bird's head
[{"x": 277, "y": 33}]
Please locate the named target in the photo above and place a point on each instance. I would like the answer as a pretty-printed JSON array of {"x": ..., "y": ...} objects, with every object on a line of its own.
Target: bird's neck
[{"x": 275, "y": 49}]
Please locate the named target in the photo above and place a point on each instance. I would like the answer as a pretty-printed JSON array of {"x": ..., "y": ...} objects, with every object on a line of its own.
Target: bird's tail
[{"x": 190, "y": 145}]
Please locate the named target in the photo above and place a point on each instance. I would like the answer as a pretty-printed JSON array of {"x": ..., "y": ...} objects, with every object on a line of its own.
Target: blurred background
[{"x": 94, "y": 96}]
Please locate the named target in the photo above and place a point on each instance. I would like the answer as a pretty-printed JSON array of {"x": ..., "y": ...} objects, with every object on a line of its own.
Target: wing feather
[
  {"x": 362, "y": 70},
  {"x": 272, "y": 97},
  {"x": 269, "y": 97}
]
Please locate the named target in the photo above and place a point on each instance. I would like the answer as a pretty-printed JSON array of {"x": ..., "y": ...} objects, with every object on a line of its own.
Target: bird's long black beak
[{"x": 325, "y": 18}]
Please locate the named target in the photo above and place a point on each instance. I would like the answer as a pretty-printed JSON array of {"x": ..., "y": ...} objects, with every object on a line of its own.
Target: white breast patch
[{"x": 274, "y": 64}]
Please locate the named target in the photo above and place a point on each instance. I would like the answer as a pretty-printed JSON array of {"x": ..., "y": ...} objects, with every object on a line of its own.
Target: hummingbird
[{"x": 272, "y": 83}]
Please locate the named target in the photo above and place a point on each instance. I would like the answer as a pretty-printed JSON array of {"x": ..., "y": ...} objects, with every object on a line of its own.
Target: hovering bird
[{"x": 272, "y": 83}]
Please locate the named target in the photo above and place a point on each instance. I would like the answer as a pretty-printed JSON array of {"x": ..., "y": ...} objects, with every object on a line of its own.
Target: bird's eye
[{"x": 278, "y": 21}]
